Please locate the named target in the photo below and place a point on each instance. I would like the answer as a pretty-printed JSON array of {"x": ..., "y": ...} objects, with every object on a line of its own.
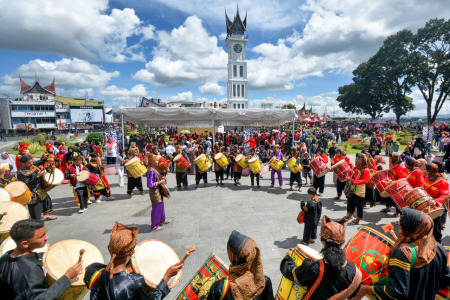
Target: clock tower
[{"x": 237, "y": 92}]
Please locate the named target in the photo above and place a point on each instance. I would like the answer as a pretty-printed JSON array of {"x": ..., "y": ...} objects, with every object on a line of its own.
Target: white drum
[
  {"x": 50, "y": 180},
  {"x": 4, "y": 195}
]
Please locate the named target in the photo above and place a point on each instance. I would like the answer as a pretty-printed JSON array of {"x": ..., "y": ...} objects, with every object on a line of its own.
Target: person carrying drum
[
  {"x": 412, "y": 172},
  {"x": 306, "y": 169},
  {"x": 295, "y": 177},
  {"x": 331, "y": 276},
  {"x": 252, "y": 175},
  {"x": 247, "y": 279},
  {"x": 319, "y": 182},
  {"x": 199, "y": 174},
  {"x": 279, "y": 156},
  {"x": 115, "y": 280},
  {"x": 218, "y": 170},
  {"x": 417, "y": 263},
  {"x": 21, "y": 273},
  {"x": 340, "y": 155},
  {"x": 133, "y": 182},
  {"x": 102, "y": 188},
  {"x": 181, "y": 174},
  {"x": 6, "y": 177},
  {"x": 237, "y": 169},
  {"x": 398, "y": 172},
  {"x": 312, "y": 210},
  {"x": 80, "y": 190}
]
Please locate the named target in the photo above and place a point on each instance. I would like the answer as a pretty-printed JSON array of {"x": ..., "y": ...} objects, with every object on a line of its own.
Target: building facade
[{"x": 237, "y": 92}]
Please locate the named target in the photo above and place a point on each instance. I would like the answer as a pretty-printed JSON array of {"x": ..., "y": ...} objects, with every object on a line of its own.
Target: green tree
[{"x": 291, "y": 106}]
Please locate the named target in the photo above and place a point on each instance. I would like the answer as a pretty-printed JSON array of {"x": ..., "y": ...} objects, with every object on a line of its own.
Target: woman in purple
[
  {"x": 154, "y": 182},
  {"x": 277, "y": 153}
]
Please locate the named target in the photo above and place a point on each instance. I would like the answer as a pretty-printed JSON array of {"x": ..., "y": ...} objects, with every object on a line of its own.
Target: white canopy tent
[{"x": 205, "y": 117}]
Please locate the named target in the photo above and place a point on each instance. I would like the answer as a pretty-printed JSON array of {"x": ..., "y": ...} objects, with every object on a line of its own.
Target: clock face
[{"x": 237, "y": 48}]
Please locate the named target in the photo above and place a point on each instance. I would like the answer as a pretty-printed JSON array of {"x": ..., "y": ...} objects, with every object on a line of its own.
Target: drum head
[
  {"x": 132, "y": 161},
  {"x": 337, "y": 164},
  {"x": 65, "y": 254},
  {"x": 56, "y": 178},
  {"x": 315, "y": 158},
  {"x": 436, "y": 213},
  {"x": 177, "y": 157},
  {"x": 200, "y": 157},
  {"x": 239, "y": 157},
  {"x": 4, "y": 195},
  {"x": 252, "y": 160},
  {"x": 309, "y": 252},
  {"x": 151, "y": 259},
  {"x": 15, "y": 212},
  {"x": 16, "y": 188},
  {"x": 218, "y": 156},
  {"x": 83, "y": 175},
  {"x": 9, "y": 244}
]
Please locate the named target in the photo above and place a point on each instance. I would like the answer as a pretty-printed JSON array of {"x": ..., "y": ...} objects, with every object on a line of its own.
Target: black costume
[
  {"x": 297, "y": 176},
  {"x": 312, "y": 212},
  {"x": 217, "y": 287}
]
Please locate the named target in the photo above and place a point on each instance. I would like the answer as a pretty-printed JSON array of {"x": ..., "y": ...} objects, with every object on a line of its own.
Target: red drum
[
  {"x": 382, "y": 179},
  {"x": 419, "y": 199},
  {"x": 343, "y": 170},
  {"x": 397, "y": 190},
  {"x": 319, "y": 167},
  {"x": 88, "y": 178},
  {"x": 163, "y": 163},
  {"x": 181, "y": 162}
]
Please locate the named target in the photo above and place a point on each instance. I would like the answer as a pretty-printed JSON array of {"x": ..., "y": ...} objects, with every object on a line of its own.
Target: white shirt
[
  {"x": 77, "y": 183},
  {"x": 170, "y": 149},
  {"x": 113, "y": 151}
]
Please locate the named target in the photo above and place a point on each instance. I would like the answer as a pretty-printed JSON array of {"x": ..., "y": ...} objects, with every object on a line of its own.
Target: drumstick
[
  {"x": 389, "y": 228},
  {"x": 81, "y": 255},
  {"x": 187, "y": 254},
  {"x": 3, "y": 214}
]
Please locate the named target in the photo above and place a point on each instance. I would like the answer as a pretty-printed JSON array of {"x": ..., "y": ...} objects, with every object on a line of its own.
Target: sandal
[
  {"x": 396, "y": 215},
  {"x": 312, "y": 241},
  {"x": 50, "y": 218},
  {"x": 385, "y": 210},
  {"x": 355, "y": 222},
  {"x": 158, "y": 228},
  {"x": 167, "y": 221}
]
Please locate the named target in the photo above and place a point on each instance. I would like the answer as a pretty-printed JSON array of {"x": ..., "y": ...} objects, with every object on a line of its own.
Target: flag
[{"x": 29, "y": 123}]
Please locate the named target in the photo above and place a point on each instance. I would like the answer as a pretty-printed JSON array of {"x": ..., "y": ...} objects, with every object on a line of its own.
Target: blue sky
[{"x": 298, "y": 51}]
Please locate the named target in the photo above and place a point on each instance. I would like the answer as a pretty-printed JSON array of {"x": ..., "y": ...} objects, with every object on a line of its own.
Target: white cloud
[
  {"x": 79, "y": 28},
  {"x": 138, "y": 90},
  {"x": 185, "y": 96},
  {"x": 211, "y": 88}
]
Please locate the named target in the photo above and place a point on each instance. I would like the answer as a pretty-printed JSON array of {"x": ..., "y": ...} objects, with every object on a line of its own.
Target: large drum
[
  {"x": 397, "y": 190},
  {"x": 19, "y": 192},
  {"x": 419, "y": 199},
  {"x": 369, "y": 250},
  {"x": 292, "y": 164},
  {"x": 88, "y": 178},
  {"x": 382, "y": 179},
  {"x": 14, "y": 212},
  {"x": 163, "y": 163},
  {"x": 319, "y": 167},
  {"x": 151, "y": 259},
  {"x": 50, "y": 180},
  {"x": 221, "y": 160},
  {"x": 254, "y": 165},
  {"x": 61, "y": 256},
  {"x": 9, "y": 244},
  {"x": 212, "y": 270},
  {"x": 276, "y": 164},
  {"x": 342, "y": 170},
  {"x": 444, "y": 294},
  {"x": 288, "y": 290},
  {"x": 135, "y": 167},
  {"x": 181, "y": 162},
  {"x": 202, "y": 162},
  {"x": 4, "y": 195},
  {"x": 371, "y": 184},
  {"x": 242, "y": 161}
]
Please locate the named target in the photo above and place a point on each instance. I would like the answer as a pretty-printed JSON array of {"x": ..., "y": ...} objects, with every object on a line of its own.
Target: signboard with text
[
  {"x": 32, "y": 114},
  {"x": 86, "y": 114}
]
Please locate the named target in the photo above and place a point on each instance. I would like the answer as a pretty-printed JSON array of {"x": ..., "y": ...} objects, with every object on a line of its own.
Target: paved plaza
[{"x": 204, "y": 218}]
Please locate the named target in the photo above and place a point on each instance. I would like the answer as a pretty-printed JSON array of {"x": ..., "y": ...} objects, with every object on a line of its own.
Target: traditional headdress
[
  {"x": 122, "y": 241},
  {"x": 49, "y": 146},
  {"x": 332, "y": 231},
  {"x": 23, "y": 147}
]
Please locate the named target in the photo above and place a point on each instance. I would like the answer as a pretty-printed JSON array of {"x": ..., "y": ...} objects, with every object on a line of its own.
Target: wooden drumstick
[
  {"x": 81, "y": 255},
  {"x": 389, "y": 228},
  {"x": 187, "y": 254},
  {"x": 3, "y": 214}
]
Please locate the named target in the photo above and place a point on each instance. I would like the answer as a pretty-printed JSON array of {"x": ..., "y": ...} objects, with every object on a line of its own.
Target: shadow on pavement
[{"x": 290, "y": 242}]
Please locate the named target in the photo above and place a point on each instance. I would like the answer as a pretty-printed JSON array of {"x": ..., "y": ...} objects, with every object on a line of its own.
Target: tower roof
[
  {"x": 237, "y": 26},
  {"x": 37, "y": 87}
]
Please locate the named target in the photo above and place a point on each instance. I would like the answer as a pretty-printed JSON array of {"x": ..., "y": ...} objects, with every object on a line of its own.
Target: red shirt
[
  {"x": 415, "y": 178},
  {"x": 324, "y": 158},
  {"x": 363, "y": 179},
  {"x": 252, "y": 143},
  {"x": 398, "y": 172},
  {"x": 438, "y": 189}
]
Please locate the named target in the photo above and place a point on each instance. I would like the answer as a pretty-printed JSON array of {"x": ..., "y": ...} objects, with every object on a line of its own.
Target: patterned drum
[
  {"x": 288, "y": 290},
  {"x": 135, "y": 167},
  {"x": 9, "y": 244},
  {"x": 88, "y": 178},
  {"x": 419, "y": 199},
  {"x": 342, "y": 170},
  {"x": 242, "y": 161},
  {"x": 61, "y": 256},
  {"x": 4, "y": 195},
  {"x": 14, "y": 212},
  {"x": 254, "y": 165},
  {"x": 369, "y": 250},
  {"x": 444, "y": 294},
  {"x": 221, "y": 160},
  {"x": 212, "y": 270},
  {"x": 19, "y": 192},
  {"x": 371, "y": 184},
  {"x": 202, "y": 162},
  {"x": 50, "y": 180},
  {"x": 397, "y": 190},
  {"x": 163, "y": 164},
  {"x": 276, "y": 164},
  {"x": 319, "y": 167},
  {"x": 382, "y": 179},
  {"x": 292, "y": 164}
]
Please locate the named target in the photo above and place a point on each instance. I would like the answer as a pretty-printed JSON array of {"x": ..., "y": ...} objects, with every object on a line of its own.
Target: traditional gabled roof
[
  {"x": 237, "y": 26},
  {"x": 23, "y": 85},
  {"x": 37, "y": 87},
  {"x": 51, "y": 87}
]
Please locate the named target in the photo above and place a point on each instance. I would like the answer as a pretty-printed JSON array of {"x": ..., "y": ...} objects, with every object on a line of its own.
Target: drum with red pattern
[
  {"x": 343, "y": 170},
  {"x": 397, "y": 190},
  {"x": 382, "y": 179},
  {"x": 319, "y": 167}
]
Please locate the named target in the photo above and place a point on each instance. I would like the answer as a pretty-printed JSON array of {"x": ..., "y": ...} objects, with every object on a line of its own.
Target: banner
[
  {"x": 86, "y": 114},
  {"x": 428, "y": 133},
  {"x": 247, "y": 136}
]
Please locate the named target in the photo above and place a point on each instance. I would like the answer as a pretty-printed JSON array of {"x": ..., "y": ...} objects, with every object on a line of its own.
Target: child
[
  {"x": 133, "y": 182},
  {"x": 181, "y": 174},
  {"x": 237, "y": 168},
  {"x": 295, "y": 177},
  {"x": 252, "y": 176},
  {"x": 312, "y": 209},
  {"x": 306, "y": 171},
  {"x": 199, "y": 174},
  {"x": 80, "y": 190}
]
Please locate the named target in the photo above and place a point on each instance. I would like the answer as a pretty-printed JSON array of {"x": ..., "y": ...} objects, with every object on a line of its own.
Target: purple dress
[{"x": 158, "y": 214}]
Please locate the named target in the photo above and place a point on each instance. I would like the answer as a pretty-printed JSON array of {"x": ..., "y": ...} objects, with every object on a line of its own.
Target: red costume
[
  {"x": 337, "y": 159},
  {"x": 252, "y": 143},
  {"x": 22, "y": 148},
  {"x": 324, "y": 158},
  {"x": 437, "y": 188},
  {"x": 363, "y": 179},
  {"x": 415, "y": 178},
  {"x": 398, "y": 172}
]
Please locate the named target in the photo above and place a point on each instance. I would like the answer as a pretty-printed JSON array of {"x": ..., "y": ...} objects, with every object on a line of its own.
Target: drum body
[
  {"x": 163, "y": 163},
  {"x": 292, "y": 164},
  {"x": 397, "y": 190},
  {"x": 288, "y": 290},
  {"x": 369, "y": 250},
  {"x": 202, "y": 162},
  {"x": 19, "y": 192},
  {"x": 164, "y": 191},
  {"x": 212, "y": 270},
  {"x": 342, "y": 170},
  {"x": 276, "y": 164},
  {"x": 181, "y": 162},
  {"x": 151, "y": 259},
  {"x": 61, "y": 256},
  {"x": 419, "y": 199},
  {"x": 9, "y": 244},
  {"x": 50, "y": 180},
  {"x": 221, "y": 160},
  {"x": 349, "y": 189},
  {"x": 382, "y": 179},
  {"x": 242, "y": 161},
  {"x": 4, "y": 195},
  {"x": 15, "y": 212},
  {"x": 254, "y": 165},
  {"x": 319, "y": 167},
  {"x": 135, "y": 167},
  {"x": 371, "y": 184},
  {"x": 88, "y": 178}
]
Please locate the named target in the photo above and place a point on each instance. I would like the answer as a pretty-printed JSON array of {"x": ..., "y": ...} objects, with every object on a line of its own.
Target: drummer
[
  {"x": 340, "y": 155},
  {"x": 319, "y": 183},
  {"x": 21, "y": 273},
  {"x": 133, "y": 182},
  {"x": 115, "y": 280},
  {"x": 339, "y": 274},
  {"x": 181, "y": 174},
  {"x": 252, "y": 175},
  {"x": 413, "y": 174},
  {"x": 237, "y": 168},
  {"x": 32, "y": 177},
  {"x": 438, "y": 188},
  {"x": 218, "y": 170},
  {"x": 422, "y": 278},
  {"x": 279, "y": 156},
  {"x": 154, "y": 181},
  {"x": 199, "y": 174},
  {"x": 398, "y": 171},
  {"x": 297, "y": 176},
  {"x": 21, "y": 151},
  {"x": 6, "y": 178},
  {"x": 80, "y": 190},
  {"x": 102, "y": 188}
]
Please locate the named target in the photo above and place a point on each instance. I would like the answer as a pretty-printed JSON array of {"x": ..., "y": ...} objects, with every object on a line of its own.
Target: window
[
  {"x": 243, "y": 106},
  {"x": 243, "y": 91},
  {"x": 238, "y": 91},
  {"x": 239, "y": 106},
  {"x": 241, "y": 71},
  {"x": 234, "y": 90},
  {"x": 234, "y": 106},
  {"x": 234, "y": 71}
]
